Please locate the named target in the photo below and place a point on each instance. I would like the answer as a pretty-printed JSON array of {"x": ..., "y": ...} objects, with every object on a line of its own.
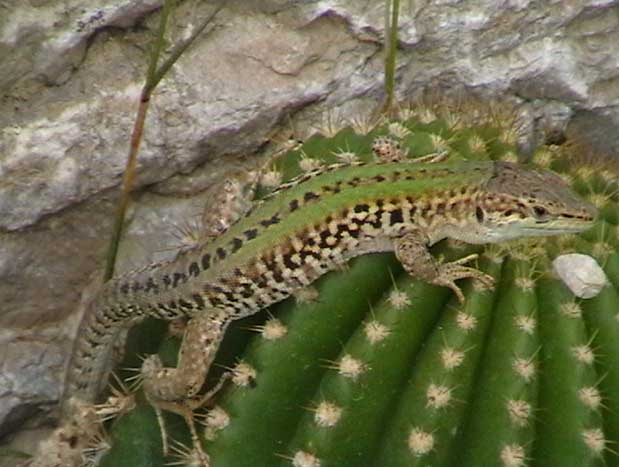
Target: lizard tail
[{"x": 90, "y": 362}]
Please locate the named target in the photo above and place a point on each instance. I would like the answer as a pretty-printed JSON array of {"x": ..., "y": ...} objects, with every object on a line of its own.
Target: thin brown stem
[
  {"x": 153, "y": 77},
  {"x": 391, "y": 45}
]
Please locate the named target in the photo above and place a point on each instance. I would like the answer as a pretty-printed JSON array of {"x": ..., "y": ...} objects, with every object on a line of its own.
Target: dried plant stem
[
  {"x": 153, "y": 77},
  {"x": 391, "y": 44}
]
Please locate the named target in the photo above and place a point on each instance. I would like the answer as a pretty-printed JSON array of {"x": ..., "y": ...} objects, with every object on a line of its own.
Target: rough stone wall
[{"x": 72, "y": 71}]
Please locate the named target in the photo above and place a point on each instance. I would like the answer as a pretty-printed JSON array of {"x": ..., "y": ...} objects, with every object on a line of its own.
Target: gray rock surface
[{"x": 71, "y": 74}]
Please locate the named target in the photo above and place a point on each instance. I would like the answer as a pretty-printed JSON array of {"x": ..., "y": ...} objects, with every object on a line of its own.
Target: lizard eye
[
  {"x": 479, "y": 213},
  {"x": 540, "y": 212}
]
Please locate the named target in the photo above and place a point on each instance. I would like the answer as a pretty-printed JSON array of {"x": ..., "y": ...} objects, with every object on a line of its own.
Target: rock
[
  {"x": 581, "y": 274},
  {"x": 28, "y": 368}
]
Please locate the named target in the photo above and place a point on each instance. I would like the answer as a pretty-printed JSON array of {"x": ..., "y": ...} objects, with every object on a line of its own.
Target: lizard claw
[{"x": 451, "y": 272}]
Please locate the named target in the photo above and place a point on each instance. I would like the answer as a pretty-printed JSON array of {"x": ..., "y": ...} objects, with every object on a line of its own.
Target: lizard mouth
[{"x": 546, "y": 229}]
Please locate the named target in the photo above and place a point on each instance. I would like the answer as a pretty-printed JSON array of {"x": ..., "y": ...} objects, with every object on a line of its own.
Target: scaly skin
[{"x": 306, "y": 228}]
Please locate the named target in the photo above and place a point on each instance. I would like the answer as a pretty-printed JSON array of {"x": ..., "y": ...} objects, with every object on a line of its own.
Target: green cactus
[{"x": 385, "y": 370}]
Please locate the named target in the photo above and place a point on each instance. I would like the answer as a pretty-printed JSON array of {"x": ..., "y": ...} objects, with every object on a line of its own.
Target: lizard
[{"x": 305, "y": 228}]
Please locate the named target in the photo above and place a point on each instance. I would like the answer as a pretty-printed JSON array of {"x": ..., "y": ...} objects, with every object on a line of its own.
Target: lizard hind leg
[
  {"x": 176, "y": 389},
  {"x": 412, "y": 252}
]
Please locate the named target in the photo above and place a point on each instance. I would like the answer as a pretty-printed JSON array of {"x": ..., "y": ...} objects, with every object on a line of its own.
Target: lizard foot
[
  {"x": 387, "y": 149},
  {"x": 412, "y": 251},
  {"x": 153, "y": 373},
  {"x": 450, "y": 272}
]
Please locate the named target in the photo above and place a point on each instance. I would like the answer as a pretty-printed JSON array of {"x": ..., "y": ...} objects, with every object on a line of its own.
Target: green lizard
[{"x": 307, "y": 227}]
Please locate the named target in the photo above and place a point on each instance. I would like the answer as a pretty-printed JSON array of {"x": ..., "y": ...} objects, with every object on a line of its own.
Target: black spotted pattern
[{"x": 194, "y": 269}]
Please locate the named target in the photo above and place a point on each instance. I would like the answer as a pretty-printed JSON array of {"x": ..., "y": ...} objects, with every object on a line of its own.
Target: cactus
[{"x": 385, "y": 370}]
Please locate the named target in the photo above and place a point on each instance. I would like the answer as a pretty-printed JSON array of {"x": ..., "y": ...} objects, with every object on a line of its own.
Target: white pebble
[{"x": 581, "y": 273}]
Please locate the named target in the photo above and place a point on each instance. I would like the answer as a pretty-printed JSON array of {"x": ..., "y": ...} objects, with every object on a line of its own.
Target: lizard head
[{"x": 523, "y": 202}]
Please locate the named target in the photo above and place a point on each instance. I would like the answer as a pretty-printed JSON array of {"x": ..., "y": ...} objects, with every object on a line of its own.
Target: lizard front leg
[
  {"x": 412, "y": 252},
  {"x": 175, "y": 389}
]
